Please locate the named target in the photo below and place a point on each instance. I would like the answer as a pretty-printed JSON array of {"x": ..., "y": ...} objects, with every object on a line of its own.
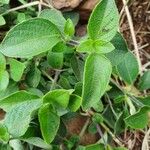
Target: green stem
[
  {"x": 55, "y": 79},
  {"x": 84, "y": 128},
  {"x": 112, "y": 135}
]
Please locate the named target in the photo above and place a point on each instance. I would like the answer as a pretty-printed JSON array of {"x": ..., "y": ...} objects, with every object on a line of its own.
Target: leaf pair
[
  {"x": 102, "y": 27},
  {"x": 63, "y": 98},
  {"x": 48, "y": 116}
]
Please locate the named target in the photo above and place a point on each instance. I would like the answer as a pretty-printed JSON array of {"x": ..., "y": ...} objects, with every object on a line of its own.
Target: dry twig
[{"x": 133, "y": 35}]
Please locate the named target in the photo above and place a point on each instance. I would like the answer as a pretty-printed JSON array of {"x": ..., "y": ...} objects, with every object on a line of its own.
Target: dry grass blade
[
  {"x": 133, "y": 35},
  {"x": 146, "y": 141}
]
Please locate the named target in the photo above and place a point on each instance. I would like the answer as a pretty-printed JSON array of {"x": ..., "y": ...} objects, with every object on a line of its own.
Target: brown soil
[{"x": 140, "y": 12}]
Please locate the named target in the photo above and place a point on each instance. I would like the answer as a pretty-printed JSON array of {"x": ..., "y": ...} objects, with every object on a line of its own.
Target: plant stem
[
  {"x": 111, "y": 106},
  {"x": 84, "y": 128},
  {"x": 113, "y": 136},
  {"x": 26, "y": 6},
  {"x": 55, "y": 79},
  {"x": 50, "y": 78},
  {"x": 101, "y": 134}
]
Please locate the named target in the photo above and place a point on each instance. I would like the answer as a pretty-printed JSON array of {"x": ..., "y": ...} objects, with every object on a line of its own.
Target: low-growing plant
[{"x": 48, "y": 75}]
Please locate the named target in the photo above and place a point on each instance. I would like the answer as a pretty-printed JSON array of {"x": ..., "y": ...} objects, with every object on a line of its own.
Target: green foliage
[
  {"x": 69, "y": 28},
  {"x": 121, "y": 49},
  {"x": 4, "y": 1},
  {"x": 96, "y": 78},
  {"x": 145, "y": 81},
  {"x": 55, "y": 17},
  {"x": 56, "y": 88},
  {"x": 40, "y": 36},
  {"x": 77, "y": 66},
  {"x": 36, "y": 141},
  {"x": 4, "y": 135},
  {"x": 58, "y": 97},
  {"x": 128, "y": 69},
  {"x": 16, "y": 69},
  {"x": 55, "y": 59},
  {"x": 97, "y": 118},
  {"x": 95, "y": 147},
  {"x": 15, "y": 99},
  {"x": 33, "y": 77},
  {"x": 138, "y": 120},
  {"x": 97, "y": 46},
  {"x": 17, "y": 120},
  {"x": 4, "y": 80},
  {"x": 49, "y": 122},
  {"x": 103, "y": 23},
  {"x": 74, "y": 102},
  {"x": 2, "y": 62}
]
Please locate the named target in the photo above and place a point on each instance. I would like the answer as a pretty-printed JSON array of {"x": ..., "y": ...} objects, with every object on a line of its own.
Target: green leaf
[
  {"x": 98, "y": 107},
  {"x": 4, "y": 1},
  {"x": 18, "y": 118},
  {"x": 49, "y": 122},
  {"x": 92, "y": 128},
  {"x": 145, "y": 81},
  {"x": 96, "y": 78},
  {"x": 121, "y": 49},
  {"x": 36, "y": 141},
  {"x": 21, "y": 17},
  {"x": 30, "y": 38},
  {"x": 33, "y": 77},
  {"x": 145, "y": 101},
  {"x": 77, "y": 66},
  {"x": 4, "y": 135},
  {"x": 5, "y": 147},
  {"x": 2, "y": 20},
  {"x": 95, "y": 147},
  {"x": 15, "y": 99},
  {"x": 58, "y": 97},
  {"x": 12, "y": 88},
  {"x": 97, "y": 46},
  {"x": 16, "y": 69},
  {"x": 120, "y": 124},
  {"x": 16, "y": 144},
  {"x": 74, "y": 16},
  {"x": 104, "y": 21},
  {"x": 64, "y": 83},
  {"x": 78, "y": 88},
  {"x": 74, "y": 102},
  {"x": 81, "y": 147},
  {"x": 97, "y": 118},
  {"x": 4, "y": 80},
  {"x": 2, "y": 62},
  {"x": 55, "y": 59},
  {"x": 69, "y": 27},
  {"x": 120, "y": 148},
  {"x": 55, "y": 16},
  {"x": 138, "y": 120},
  {"x": 128, "y": 69}
]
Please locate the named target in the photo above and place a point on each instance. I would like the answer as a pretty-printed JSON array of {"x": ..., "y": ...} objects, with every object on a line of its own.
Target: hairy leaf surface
[
  {"x": 96, "y": 78},
  {"x": 104, "y": 21},
  {"x": 17, "y": 119},
  {"x": 30, "y": 38},
  {"x": 49, "y": 122},
  {"x": 128, "y": 69}
]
